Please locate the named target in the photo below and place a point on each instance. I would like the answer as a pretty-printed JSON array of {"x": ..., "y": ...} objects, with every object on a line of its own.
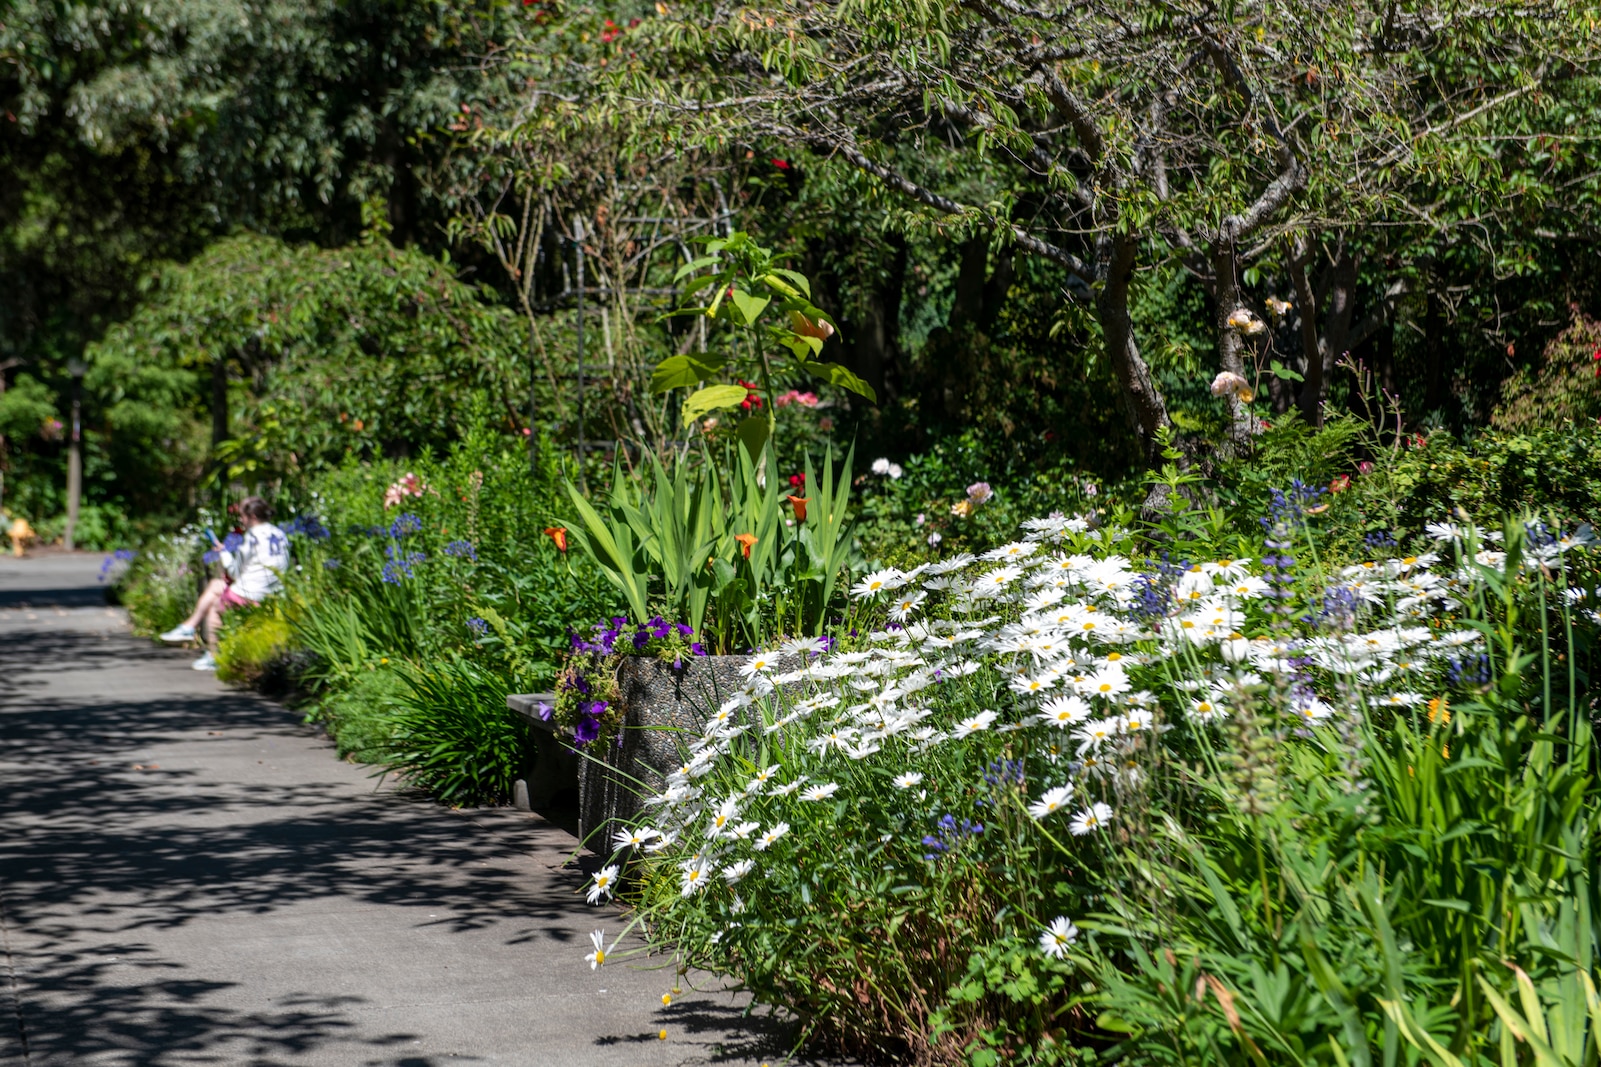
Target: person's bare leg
[
  {"x": 208, "y": 600},
  {"x": 214, "y": 624}
]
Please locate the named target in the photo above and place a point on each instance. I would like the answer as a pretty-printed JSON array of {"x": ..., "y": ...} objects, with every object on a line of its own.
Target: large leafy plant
[
  {"x": 738, "y": 561},
  {"x": 779, "y": 335}
]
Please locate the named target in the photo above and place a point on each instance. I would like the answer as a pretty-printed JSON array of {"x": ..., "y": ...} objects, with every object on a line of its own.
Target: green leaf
[
  {"x": 752, "y": 433},
  {"x": 750, "y": 307},
  {"x": 683, "y": 371},
  {"x": 692, "y": 266},
  {"x": 1185, "y": 422},
  {"x": 710, "y": 399},
  {"x": 838, "y": 375},
  {"x": 1452, "y": 904},
  {"x": 803, "y": 347},
  {"x": 798, "y": 280},
  {"x": 601, "y": 541},
  {"x": 1279, "y": 370}
]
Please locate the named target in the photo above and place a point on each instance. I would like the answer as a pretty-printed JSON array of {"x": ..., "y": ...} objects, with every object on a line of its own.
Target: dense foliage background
[{"x": 954, "y": 214}]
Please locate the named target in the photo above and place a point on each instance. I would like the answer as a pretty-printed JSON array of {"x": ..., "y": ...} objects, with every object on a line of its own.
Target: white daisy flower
[
  {"x": 735, "y": 871},
  {"x": 908, "y": 780},
  {"x": 803, "y": 646},
  {"x": 1095, "y": 733},
  {"x": 878, "y": 582},
  {"x": 1053, "y": 801},
  {"x": 597, "y": 957},
  {"x": 760, "y": 663},
  {"x": 1029, "y": 685},
  {"x": 1015, "y": 551},
  {"x": 694, "y": 877},
  {"x": 1092, "y": 818},
  {"x": 973, "y": 724},
  {"x": 604, "y": 885},
  {"x": 767, "y": 839},
  {"x": 1064, "y": 711},
  {"x": 1135, "y": 721},
  {"x": 996, "y": 580},
  {"x": 821, "y": 791},
  {"x": 635, "y": 838},
  {"x": 906, "y": 606},
  {"x": 1058, "y": 936}
]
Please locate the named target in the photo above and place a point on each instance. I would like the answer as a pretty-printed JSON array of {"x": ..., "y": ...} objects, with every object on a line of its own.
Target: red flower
[
  {"x": 797, "y": 481},
  {"x": 781, "y": 164},
  {"x": 1340, "y": 484}
]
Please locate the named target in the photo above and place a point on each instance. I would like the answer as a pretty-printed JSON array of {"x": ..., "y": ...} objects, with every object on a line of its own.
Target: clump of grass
[{"x": 453, "y": 735}]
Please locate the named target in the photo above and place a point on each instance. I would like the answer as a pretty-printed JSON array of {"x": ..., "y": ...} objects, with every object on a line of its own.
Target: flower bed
[{"x": 1060, "y": 785}]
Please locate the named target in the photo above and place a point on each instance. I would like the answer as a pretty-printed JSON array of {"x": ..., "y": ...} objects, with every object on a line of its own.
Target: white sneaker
[
  {"x": 205, "y": 663},
  {"x": 179, "y": 634}
]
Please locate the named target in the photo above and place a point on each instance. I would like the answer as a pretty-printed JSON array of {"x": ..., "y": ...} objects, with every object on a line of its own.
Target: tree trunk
[
  {"x": 1142, "y": 402},
  {"x": 74, "y": 464},
  {"x": 219, "y": 401},
  {"x": 874, "y": 335},
  {"x": 1314, "y": 389},
  {"x": 1230, "y": 345},
  {"x": 1339, "y": 308},
  {"x": 1434, "y": 383}
]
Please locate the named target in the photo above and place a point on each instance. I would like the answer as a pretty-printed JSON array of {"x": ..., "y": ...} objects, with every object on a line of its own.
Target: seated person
[{"x": 254, "y": 569}]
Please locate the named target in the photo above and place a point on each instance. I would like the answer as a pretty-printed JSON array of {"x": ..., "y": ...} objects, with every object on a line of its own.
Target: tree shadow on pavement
[{"x": 102, "y": 852}]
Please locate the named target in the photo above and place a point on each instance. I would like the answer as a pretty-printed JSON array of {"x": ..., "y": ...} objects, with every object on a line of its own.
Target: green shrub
[
  {"x": 100, "y": 527},
  {"x": 359, "y": 714},
  {"x": 161, "y": 584},
  {"x": 252, "y": 640},
  {"x": 925, "y": 512},
  {"x": 1564, "y": 387}
]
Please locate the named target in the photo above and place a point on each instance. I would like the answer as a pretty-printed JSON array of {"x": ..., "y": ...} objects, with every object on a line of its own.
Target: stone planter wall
[{"x": 664, "y": 709}]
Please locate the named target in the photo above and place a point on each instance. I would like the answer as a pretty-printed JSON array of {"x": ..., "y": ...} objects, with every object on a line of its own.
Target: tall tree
[{"x": 1303, "y": 141}]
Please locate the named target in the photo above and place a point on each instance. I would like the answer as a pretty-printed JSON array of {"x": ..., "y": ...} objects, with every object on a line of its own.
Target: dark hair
[{"x": 255, "y": 508}]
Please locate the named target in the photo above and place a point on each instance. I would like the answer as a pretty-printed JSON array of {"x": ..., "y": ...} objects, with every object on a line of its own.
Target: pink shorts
[{"x": 231, "y": 599}]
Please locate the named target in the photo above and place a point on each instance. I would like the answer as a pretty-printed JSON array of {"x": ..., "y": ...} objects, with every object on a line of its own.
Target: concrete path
[{"x": 189, "y": 876}]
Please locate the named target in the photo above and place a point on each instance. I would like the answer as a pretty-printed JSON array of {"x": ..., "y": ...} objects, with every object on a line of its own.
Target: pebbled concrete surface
[{"x": 189, "y": 876}]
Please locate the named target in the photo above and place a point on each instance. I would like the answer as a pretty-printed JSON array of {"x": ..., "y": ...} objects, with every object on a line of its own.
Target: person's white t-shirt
[{"x": 255, "y": 566}]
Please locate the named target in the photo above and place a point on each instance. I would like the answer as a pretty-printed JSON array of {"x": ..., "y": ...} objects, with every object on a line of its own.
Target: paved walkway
[{"x": 188, "y": 876}]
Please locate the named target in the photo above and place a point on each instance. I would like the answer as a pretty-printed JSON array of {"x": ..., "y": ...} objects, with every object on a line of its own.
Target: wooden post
[
  {"x": 74, "y": 454},
  {"x": 578, "y": 239}
]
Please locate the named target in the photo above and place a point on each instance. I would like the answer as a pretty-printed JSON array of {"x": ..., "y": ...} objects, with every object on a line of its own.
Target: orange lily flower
[
  {"x": 746, "y": 543},
  {"x": 557, "y": 534},
  {"x": 799, "y": 504}
]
